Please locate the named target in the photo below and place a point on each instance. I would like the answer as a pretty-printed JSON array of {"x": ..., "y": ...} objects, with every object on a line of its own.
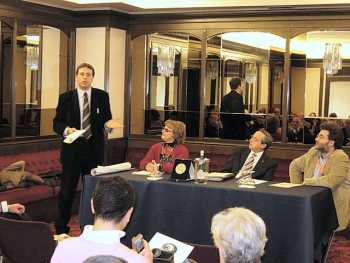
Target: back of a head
[
  {"x": 104, "y": 259},
  {"x": 240, "y": 234},
  {"x": 235, "y": 83},
  {"x": 112, "y": 198}
]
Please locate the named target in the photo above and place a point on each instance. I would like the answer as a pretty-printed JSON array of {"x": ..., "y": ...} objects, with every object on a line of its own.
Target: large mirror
[
  {"x": 257, "y": 58},
  {"x": 320, "y": 78},
  {"x": 41, "y": 74},
  {"x": 6, "y": 29},
  {"x": 170, "y": 66}
]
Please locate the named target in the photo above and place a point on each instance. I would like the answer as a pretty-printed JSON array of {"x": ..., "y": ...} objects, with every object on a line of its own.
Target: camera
[{"x": 137, "y": 243}]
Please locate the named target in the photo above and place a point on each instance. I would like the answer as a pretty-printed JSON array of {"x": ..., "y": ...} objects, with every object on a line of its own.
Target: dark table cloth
[{"x": 297, "y": 219}]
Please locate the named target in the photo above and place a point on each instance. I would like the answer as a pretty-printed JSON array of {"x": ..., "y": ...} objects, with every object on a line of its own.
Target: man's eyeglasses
[{"x": 166, "y": 129}]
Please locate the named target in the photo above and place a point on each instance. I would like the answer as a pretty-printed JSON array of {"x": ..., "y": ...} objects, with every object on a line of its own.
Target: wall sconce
[
  {"x": 166, "y": 61},
  {"x": 332, "y": 61}
]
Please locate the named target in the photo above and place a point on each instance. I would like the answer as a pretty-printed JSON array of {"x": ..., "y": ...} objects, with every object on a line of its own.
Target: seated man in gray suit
[{"x": 254, "y": 158}]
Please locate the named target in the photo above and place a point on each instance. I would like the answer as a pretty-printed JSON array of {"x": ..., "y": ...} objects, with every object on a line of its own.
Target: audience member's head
[
  {"x": 104, "y": 259},
  {"x": 113, "y": 201},
  {"x": 239, "y": 234},
  {"x": 330, "y": 137},
  {"x": 312, "y": 114},
  {"x": 276, "y": 111},
  {"x": 235, "y": 84},
  {"x": 333, "y": 115},
  {"x": 174, "y": 131},
  {"x": 260, "y": 141},
  {"x": 295, "y": 123}
]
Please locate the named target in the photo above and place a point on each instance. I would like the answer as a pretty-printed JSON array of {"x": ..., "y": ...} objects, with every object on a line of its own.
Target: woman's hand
[{"x": 152, "y": 167}]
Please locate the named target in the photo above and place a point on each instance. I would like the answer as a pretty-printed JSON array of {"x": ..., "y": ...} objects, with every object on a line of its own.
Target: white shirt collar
[
  {"x": 81, "y": 93},
  {"x": 102, "y": 236}
]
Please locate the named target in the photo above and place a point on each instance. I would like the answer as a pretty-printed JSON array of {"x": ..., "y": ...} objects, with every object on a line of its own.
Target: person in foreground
[
  {"x": 254, "y": 158},
  {"x": 326, "y": 164},
  {"x": 163, "y": 154},
  {"x": 112, "y": 204},
  {"x": 239, "y": 234}
]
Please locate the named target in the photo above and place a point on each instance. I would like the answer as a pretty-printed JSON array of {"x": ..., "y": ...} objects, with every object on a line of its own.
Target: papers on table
[
  {"x": 111, "y": 168},
  {"x": 142, "y": 172},
  {"x": 258, "y": 181},
  {"x": 215, "y": 176},
  {"x": 182, "y": 250},
  {"x": 285, "y": 185},
  {"x": 73, "y": 136}
]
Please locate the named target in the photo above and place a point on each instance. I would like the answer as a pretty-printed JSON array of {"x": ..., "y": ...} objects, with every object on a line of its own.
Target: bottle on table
[{"x": 201, "y": 169}]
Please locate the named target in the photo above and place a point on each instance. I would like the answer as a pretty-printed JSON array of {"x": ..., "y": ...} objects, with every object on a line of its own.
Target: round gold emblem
[{"x": 180, "y": 168}]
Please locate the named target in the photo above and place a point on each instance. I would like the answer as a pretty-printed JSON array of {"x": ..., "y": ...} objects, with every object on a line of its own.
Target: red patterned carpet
[{"x": 339, "y": 251}]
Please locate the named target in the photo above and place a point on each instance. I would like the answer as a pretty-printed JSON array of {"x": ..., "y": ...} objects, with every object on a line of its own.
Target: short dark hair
[
  {"x": 85, "y": 65},
  {"x": 235, "y": 83},
  {"x": 104, "y": 259},
  {"x": 112, "y": 198},
  {"x": 335, "y": 133},
  {"x": 267, "y": 138}
]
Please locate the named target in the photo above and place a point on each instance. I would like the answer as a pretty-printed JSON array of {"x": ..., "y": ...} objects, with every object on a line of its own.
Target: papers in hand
[
  {"x": 182, "y": 250},
  {"x": 111, "y": 168},
  {"x": 73, "y": 136}
]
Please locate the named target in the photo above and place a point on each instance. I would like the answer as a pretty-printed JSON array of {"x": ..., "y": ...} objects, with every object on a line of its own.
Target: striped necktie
[
  {"x": 86, "y": 125},
  {"x": 248, "y": 165}
]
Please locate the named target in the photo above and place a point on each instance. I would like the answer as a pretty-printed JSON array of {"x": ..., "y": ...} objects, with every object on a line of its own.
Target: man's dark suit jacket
[
  {"x": 234, "y": 125},
  {"x": 264, "y": 169},
  {"x": 68, "y": 115}
]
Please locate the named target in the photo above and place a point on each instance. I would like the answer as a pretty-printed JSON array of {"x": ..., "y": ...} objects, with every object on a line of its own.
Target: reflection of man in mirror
[{"x": 232, "y": 109}]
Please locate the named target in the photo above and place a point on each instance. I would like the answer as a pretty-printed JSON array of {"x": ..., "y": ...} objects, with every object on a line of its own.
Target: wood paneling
[{"x": 278, "y": 150}]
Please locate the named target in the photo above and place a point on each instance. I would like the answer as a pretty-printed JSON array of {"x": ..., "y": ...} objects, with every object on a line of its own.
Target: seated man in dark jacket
[{"x": 254, "y": 158}]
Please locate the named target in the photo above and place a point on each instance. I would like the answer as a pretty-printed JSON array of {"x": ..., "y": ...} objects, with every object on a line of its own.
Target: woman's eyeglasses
[{"x": 166, "y": 129}]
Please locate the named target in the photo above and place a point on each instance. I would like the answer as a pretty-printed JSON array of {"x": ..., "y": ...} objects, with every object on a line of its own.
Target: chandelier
[
  {"x": 32, "y": 59},
  {"x": 332, "y": 61},
  {"x": 166, "y": 60},
  {"x": 213, "y": 69},
  {"x": 250, "y": 72}
]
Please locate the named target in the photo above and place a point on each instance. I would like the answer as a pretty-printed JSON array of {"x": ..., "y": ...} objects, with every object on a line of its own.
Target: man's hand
[
  {"x": 113, "y": 124},
  {"x": 147, "y": 252},
  {"x": 16, "y": 209}
]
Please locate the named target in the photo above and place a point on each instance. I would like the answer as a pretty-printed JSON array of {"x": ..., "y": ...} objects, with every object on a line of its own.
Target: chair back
[{"x": 26, "y": 241}]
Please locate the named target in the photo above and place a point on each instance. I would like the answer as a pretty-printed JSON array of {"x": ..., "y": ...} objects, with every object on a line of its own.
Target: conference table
[{"x": 297, "y": 218}]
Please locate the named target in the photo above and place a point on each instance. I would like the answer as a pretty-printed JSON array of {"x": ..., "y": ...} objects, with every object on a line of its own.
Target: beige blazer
[{"x": 336, "y": 176}]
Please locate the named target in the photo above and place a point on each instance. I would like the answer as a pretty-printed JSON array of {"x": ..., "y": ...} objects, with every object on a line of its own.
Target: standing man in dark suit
[
  {"x": 232, "y": 109},
  {"x": 254, "y": 158},
  {"x": 82, "y": 108}
]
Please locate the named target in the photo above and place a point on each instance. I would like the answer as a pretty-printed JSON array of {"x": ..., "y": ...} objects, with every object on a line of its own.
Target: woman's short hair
[
  {"x": 240, "y": 234},
  {"x": 179, "y": 130}
]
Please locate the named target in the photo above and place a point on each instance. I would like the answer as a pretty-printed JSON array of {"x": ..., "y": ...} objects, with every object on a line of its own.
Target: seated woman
[{"x": 165, "y": 153}]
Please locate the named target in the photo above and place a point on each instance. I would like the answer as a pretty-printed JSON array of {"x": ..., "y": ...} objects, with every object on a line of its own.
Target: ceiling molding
[{"x": 133, "y": 10}]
